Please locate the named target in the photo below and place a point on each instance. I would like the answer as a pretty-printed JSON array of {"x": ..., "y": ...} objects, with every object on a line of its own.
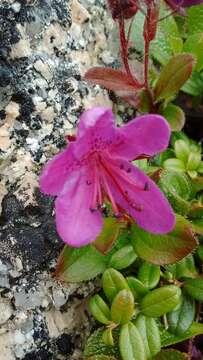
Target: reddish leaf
[
  {"x": 109, "y": 234},
  {"x": 115, "y": 80}
]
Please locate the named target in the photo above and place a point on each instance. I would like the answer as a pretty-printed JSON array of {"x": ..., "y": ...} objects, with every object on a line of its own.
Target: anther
[
  {"x": 88, "y": 182},
  {"x": 146, "y": 186}
]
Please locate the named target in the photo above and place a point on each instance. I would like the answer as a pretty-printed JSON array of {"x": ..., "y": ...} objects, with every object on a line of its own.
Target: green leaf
[
  {"x": 194, "y": 45},
  {"x": 173, "y": 75},
  {"x": 149, "y": 275},
  {"x": 160, "y": 301},
  {"x": 194, "y": 85},
  {"x": 178, "y": 189},
  {"x": 75, "y": 265},
  {"x": 174, "y": 165},
  {"x": 175, "y": 116},
  {"x": 168, "y": 40},
  {"x": 167, "y": 248},
  {"x": 170, "y": 354},
  {"x": 168, "y": 338},
  {"x": 109, "y": 234},
  {"x": 149, "y": 332},
  {"x": 194, "y": 287},
  {"x": 96, "y": 346},
  {"x": 137, "y": 288},
  {"x": 101, "y": 357},
  {"x": 130, "y": 343},
  {"x": 195, "y": 19},
  {"x": 182, "y": 150},
  {"x": 112, "y": 282},
  {"x": 123, "y": 258},
  {"x": 122, "y": 307},
  {"x": 108, "y": 337},
  {"x": 100, "y": 309},
  {"x": 181, "y": 319},
  {"x": 184, "y": 268}
]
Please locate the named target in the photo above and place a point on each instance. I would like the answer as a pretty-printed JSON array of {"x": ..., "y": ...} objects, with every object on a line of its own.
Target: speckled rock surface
[{"x": 45, "y": 47}]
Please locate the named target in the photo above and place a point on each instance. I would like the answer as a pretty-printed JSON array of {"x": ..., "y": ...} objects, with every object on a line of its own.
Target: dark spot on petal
[{"x": 146, "y": 186}]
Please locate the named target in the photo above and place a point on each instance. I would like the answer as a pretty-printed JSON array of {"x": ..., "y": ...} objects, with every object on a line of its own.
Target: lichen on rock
[{"x": 45, "y": 48}]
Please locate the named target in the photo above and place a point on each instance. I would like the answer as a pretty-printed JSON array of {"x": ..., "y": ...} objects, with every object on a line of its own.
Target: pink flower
[{"x": 97, "y": 166}]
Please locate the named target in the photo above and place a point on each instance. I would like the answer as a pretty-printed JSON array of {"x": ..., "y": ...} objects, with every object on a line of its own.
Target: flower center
[{"x": 109, "y": 176}]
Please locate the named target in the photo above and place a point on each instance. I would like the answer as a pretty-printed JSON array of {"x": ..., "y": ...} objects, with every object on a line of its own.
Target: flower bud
[{"x": 122, "y": 8}]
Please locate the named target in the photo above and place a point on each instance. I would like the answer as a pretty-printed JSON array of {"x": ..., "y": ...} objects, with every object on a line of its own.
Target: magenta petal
[
  {"x": 156, "y": 214},
  {"x": 96, "y": 131},
  {"x": 96, "y": 117},
  {"x": 55, "y": 172},
  {"x": 144, "y": 135},
  {"x": 76, "y": 223}
]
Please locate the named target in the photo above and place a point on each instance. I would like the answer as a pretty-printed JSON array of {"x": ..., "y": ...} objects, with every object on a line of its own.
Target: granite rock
[{"x": 45, "y": 48}]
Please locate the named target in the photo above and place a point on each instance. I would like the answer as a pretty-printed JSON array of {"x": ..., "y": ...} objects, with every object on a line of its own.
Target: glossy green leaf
[
  {"x": 182, "y": 150},
  {"x": 149, "y": 332},
  {"x": 174, "y": 165},
  {"x": 194, "y": 85},
  {"x": 195, "y": 19},
  {"x": 123, "y": 258},
  {"x": 178, "y": 189},
  {"x": 184, "y": 268},
  {"x": 175, "y": 116},
  {"x": 194, "y": 45},
  {"x": 137, "y": 287},
  {"x": 112, "y": 282},
  {"x": 131, "y": 344},
  {"x": 108, "y": 236},
  {"x": 170, "y": 354},
  {"x": 122, "y": 307},
  {"x": 108, "y": 337},
  {"x": 193, "y": 160},
  {"x": 173, "y": 75},
  {"x": 160, "y": 301},
  {"x": 149, "y": 275},
  {"x": 168, "y": 338},
  {"x": 100, "y": 309},
  {"x": 167, "y": 248},
  {"x": 101, "y": 357},
  {"x": 181, "y": 318},
  {"x": 194, "y": 287},
  {"x": 75, "y": 265}
]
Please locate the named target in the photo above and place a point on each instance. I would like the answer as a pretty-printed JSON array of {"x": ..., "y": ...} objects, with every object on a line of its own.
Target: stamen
[
  {"x": 109, "y": 194},
  {"x": 124, "y": 193}
]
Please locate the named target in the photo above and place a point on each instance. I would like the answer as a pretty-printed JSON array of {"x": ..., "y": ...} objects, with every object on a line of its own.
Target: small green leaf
[
  {"x": 96, "y": 346},
  {"x": 173, "y": 75},
  {"x": 184, "y": 268},
  {"x": 174, "y": 165},
  {"x": 194, "y": 85},
  {"x": 149, "y": 275},
  {"x": 123, "y": 258},
  {"x": 149, "y": 332},
  {"x": 101, "y": 357},
  {"x": 193, "y": 160},
  {"x": 175, "y": 116},
  {"x": 137, "y": 287},
  {"x": 108, "y": 337},
  {"x": 108, "y": 236},
  {"x": 170, "y": 354},
  {"x": 182, "y": 150},
  {"x": 113, "y": 281},
  {"x": 122, "y": 307},
  {"x": 161, "y": 301},
  {"x": 167, "y": 248},
  {"x": 178, "y": 189},
  {"x": 181, "y": 319},
  {"x": 75, "y": 265},
  {"x": 131, "y": 344},
  {"x": 194, "y": 287},
  {"x": 100, "y": 310}
]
